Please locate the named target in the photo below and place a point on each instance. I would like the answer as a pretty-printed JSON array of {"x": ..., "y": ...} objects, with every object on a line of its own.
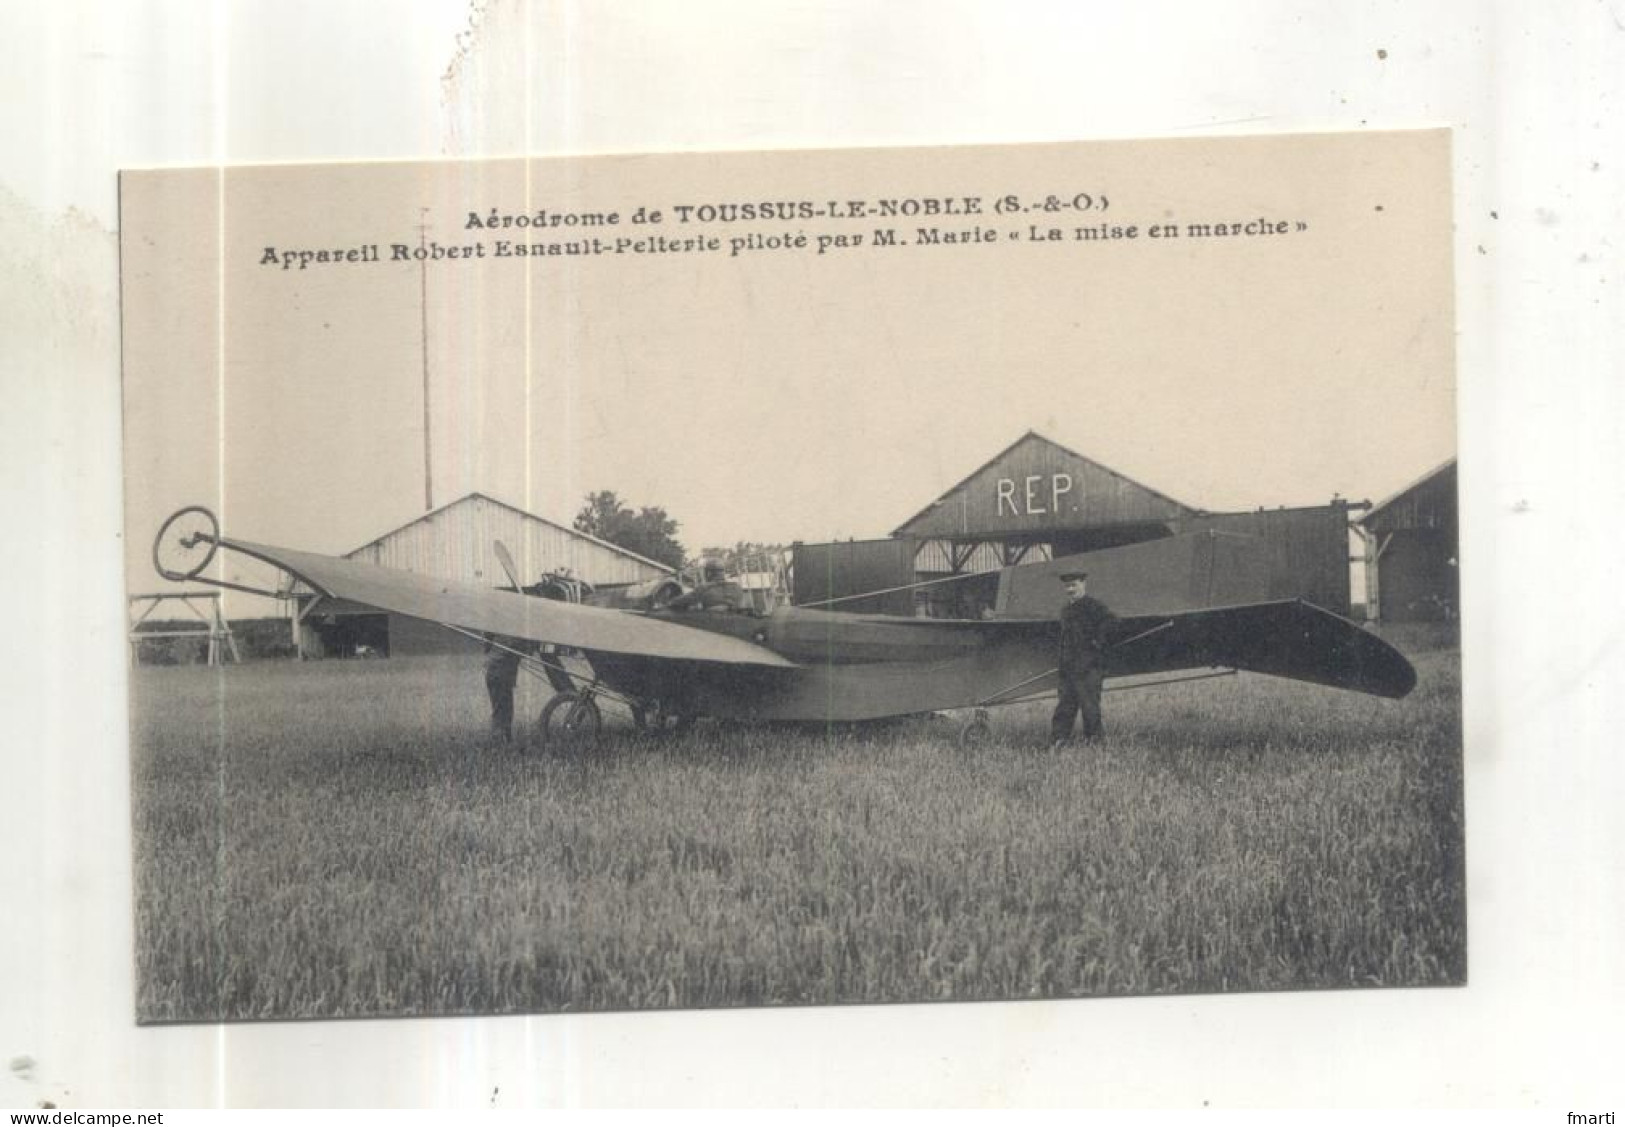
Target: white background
[{"x": 1530, "y": 91}]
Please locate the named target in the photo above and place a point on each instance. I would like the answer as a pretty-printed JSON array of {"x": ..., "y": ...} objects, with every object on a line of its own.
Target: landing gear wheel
[
  {"x": 570, "y": 723},
  {"x": 976, "y": 733},
  {"x": 186, "y": 543}
]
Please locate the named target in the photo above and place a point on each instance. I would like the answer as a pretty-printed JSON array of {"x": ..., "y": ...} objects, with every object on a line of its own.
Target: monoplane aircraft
[{"x": 1184, "y": 603}]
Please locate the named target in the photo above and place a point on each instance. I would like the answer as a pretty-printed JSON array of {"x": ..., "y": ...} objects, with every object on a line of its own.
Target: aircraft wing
[
  {"x": 483, "y": 609},
  {"x": 1006, "y": 660},
  {"x": 1287, "y": 639}
]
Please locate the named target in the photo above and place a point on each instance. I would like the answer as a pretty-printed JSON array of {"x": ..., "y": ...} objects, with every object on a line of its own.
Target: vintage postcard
[{"x": 793, "y": 578}]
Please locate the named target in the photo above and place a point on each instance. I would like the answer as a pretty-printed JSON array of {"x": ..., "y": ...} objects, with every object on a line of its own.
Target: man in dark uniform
[{"x": 1085, "y": 626}]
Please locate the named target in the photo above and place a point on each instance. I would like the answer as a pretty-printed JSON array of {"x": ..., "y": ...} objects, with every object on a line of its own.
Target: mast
[{"x": 423, "y": 343}]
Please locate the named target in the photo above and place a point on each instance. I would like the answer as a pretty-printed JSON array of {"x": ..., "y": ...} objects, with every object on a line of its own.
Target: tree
[
  {"x": 747, "y": 555},
  {"x": 649, "y": 531}
]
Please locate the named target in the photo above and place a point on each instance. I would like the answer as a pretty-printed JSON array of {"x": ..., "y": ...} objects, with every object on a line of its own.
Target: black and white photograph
[{"x": 793, "y": 578}]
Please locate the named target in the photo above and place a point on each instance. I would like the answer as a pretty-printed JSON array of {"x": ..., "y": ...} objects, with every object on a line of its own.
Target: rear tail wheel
[
  {"x": 976, "y": 733},
  {"x": 570, "y": 723},
  {"x": 186, "y": 543}
]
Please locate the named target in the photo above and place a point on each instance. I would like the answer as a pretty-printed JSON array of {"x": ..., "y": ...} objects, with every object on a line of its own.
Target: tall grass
[{"x": 334, "y": 839}]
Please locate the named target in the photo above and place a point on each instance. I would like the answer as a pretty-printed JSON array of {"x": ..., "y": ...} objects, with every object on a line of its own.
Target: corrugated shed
[
  {"x": 1037, "y": 486},
  {"x": 1412, "y": 571},
  {"x": 1428, "y": 502},
  {"x": 455, "y": 542}
]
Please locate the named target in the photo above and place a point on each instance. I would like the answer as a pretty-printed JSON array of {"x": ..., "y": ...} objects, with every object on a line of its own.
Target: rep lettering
[{"x": 1033, "y": 497}]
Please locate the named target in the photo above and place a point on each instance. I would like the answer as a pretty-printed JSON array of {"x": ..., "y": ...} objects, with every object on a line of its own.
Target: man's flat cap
[{"x": 1069, "y": 576}]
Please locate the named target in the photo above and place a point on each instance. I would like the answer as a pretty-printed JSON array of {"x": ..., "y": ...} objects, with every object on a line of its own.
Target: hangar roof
[
  {"x": 1399, "y": 506},
  {"x": 458, "y": 541},
  {"x": 1036, "y": 485},
  {"x": 515, "y": 510}
]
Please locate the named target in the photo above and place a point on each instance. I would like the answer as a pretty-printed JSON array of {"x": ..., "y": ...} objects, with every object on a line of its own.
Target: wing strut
[
  {"x": 1143, "y": 634},
  {"x": 894, "y": 590},
  {"x": 1168, "y": 681}
]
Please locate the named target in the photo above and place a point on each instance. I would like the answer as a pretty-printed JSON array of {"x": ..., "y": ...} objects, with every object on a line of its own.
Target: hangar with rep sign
[{"x": 1037, "y": 500}]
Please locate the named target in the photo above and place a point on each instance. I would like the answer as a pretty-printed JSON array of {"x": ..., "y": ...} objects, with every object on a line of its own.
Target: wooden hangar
[
  {"x": 1037, "y": 500},
  {"x": 1412, "y": 571}
]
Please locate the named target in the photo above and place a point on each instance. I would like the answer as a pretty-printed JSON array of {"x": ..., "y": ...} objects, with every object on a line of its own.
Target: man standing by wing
[
  {"x": 1085, "y": 624},
  {"x": 503, "y": 656}
]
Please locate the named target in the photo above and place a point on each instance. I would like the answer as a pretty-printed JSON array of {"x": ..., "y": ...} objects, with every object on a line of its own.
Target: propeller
[{"x": 506, "y": 560}]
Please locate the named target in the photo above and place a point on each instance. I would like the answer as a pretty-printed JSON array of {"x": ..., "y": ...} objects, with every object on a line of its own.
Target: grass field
[{"x": 334, "y": 839}]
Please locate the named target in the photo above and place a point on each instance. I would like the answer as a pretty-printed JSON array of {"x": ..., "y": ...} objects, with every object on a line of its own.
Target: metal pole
[{"x": 423, "y": 322}]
